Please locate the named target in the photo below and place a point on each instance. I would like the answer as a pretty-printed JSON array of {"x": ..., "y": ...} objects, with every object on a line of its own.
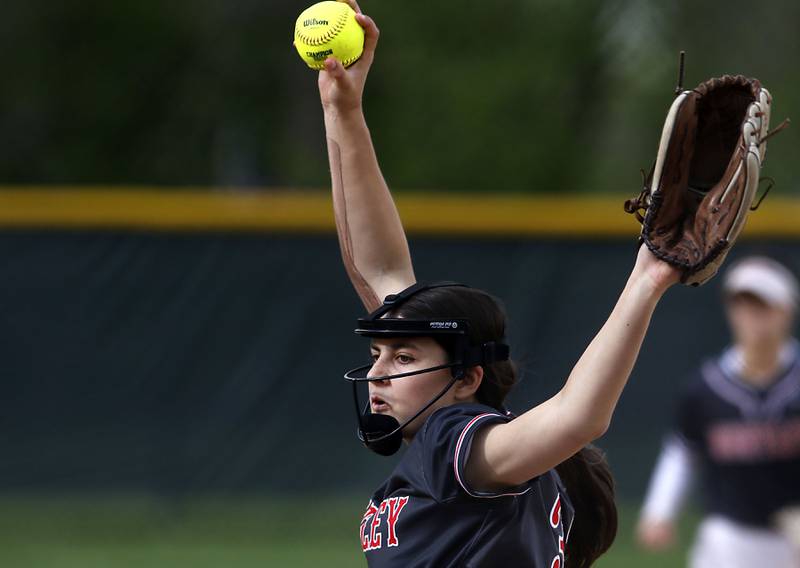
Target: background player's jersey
[
  {"x": 747, "y": 439},
  {"x": 426, "y": 514}
]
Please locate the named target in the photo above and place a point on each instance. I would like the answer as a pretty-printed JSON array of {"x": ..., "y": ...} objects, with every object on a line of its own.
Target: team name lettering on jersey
[
  {"x": 555, "y": 522},
  {"x": 389, "y": 510},
  {"x": 736, "y": 442}
]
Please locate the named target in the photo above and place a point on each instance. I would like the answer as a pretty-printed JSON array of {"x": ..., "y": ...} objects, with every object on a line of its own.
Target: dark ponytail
[
  {"x": 586, "y": 475},
  {"x": 590, "y": 487}
]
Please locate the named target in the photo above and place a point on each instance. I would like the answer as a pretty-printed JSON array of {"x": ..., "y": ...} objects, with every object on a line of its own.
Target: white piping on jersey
[
  {"x": 728, "y": 391},
  {"x": 457, "y": 469},
  {"x": 785, "y": 392},
  {"x": 569, "y": 529},
  {"x": 724, "y": 379}
]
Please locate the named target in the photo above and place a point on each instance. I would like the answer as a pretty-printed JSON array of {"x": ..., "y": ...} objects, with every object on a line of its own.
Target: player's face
[
  {"x": 755, "y": 322},
  {"x": 402, "y": 398}
]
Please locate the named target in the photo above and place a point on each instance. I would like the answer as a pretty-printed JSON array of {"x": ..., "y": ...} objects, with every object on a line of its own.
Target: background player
[
  {"x": 474, "y": 487},
  {"x": 738, "y": 430}
]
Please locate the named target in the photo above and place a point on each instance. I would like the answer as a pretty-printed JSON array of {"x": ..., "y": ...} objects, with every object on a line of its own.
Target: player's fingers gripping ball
[{"x": 328, "y": 29}]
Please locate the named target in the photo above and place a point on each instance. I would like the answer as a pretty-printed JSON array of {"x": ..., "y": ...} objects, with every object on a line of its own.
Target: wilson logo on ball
[{"x": 314, "y": 22}]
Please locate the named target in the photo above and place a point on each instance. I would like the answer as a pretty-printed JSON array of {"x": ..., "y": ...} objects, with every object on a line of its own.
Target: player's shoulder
[
  {"x": 440, "y": 449},
  {"x": 464, "y": 410},
  {"x": 456, "y": 424},
  {"x": 463, "y": 413}
]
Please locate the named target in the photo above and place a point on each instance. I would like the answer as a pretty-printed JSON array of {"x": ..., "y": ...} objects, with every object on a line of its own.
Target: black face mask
[{"x": 382, "y": 433}]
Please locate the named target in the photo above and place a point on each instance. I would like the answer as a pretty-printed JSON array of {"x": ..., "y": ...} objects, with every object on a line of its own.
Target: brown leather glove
[{"x": 696, "y": 199}]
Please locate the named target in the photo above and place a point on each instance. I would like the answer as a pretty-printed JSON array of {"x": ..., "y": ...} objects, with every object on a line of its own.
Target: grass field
[{"x": 128, "y": 532}]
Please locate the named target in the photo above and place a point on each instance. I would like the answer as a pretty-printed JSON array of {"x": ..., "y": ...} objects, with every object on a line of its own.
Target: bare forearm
[
  {"x": 373, "y": 244},
  {"x": 374, "y": 247}
]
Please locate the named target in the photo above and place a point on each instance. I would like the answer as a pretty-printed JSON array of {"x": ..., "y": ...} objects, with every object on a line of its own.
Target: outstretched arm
[
  {"x": 510, "y": 454},
  {"x": 373, "y": 244}
]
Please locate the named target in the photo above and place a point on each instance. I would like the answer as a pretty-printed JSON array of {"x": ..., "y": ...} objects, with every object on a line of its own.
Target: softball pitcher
[{"x": 476, "y": 486}]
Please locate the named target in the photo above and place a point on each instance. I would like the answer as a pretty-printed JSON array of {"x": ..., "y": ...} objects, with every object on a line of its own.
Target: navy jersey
[
  {"x": 747, "y": 439},
  {"x": 426, "y": 514}
]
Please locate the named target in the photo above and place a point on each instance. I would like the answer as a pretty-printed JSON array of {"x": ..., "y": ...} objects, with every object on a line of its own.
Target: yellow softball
[{"x": 328, "y": 29}]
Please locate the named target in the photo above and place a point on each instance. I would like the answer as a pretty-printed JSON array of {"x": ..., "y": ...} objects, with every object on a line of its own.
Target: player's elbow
[
  {"x": 597, "y": 429},
  {"x": 586, "y": 430},
  {"x": 582, "y": 427},
  {"x": 594, "y": 429}
]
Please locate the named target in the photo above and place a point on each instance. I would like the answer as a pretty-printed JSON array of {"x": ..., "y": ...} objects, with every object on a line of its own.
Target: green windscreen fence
[{"x": 187, "y": 363}]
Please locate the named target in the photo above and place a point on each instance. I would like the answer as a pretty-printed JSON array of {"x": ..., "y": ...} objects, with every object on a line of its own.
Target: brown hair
[{"x": 586, "y": 475}]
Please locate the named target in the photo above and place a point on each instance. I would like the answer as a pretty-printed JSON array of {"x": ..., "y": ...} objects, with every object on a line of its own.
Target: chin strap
[{"x": 382, "y": 433}]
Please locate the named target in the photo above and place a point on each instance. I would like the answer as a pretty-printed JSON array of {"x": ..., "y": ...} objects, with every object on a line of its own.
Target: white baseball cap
[{"x": 763, "y": 277}]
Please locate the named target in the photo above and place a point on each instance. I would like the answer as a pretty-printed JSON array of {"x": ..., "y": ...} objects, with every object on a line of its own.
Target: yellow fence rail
[{"x": 305, "y": 211}]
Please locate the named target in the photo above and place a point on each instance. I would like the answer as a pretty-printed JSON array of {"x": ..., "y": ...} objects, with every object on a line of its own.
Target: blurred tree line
[{"x": 529, "y": 95}]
